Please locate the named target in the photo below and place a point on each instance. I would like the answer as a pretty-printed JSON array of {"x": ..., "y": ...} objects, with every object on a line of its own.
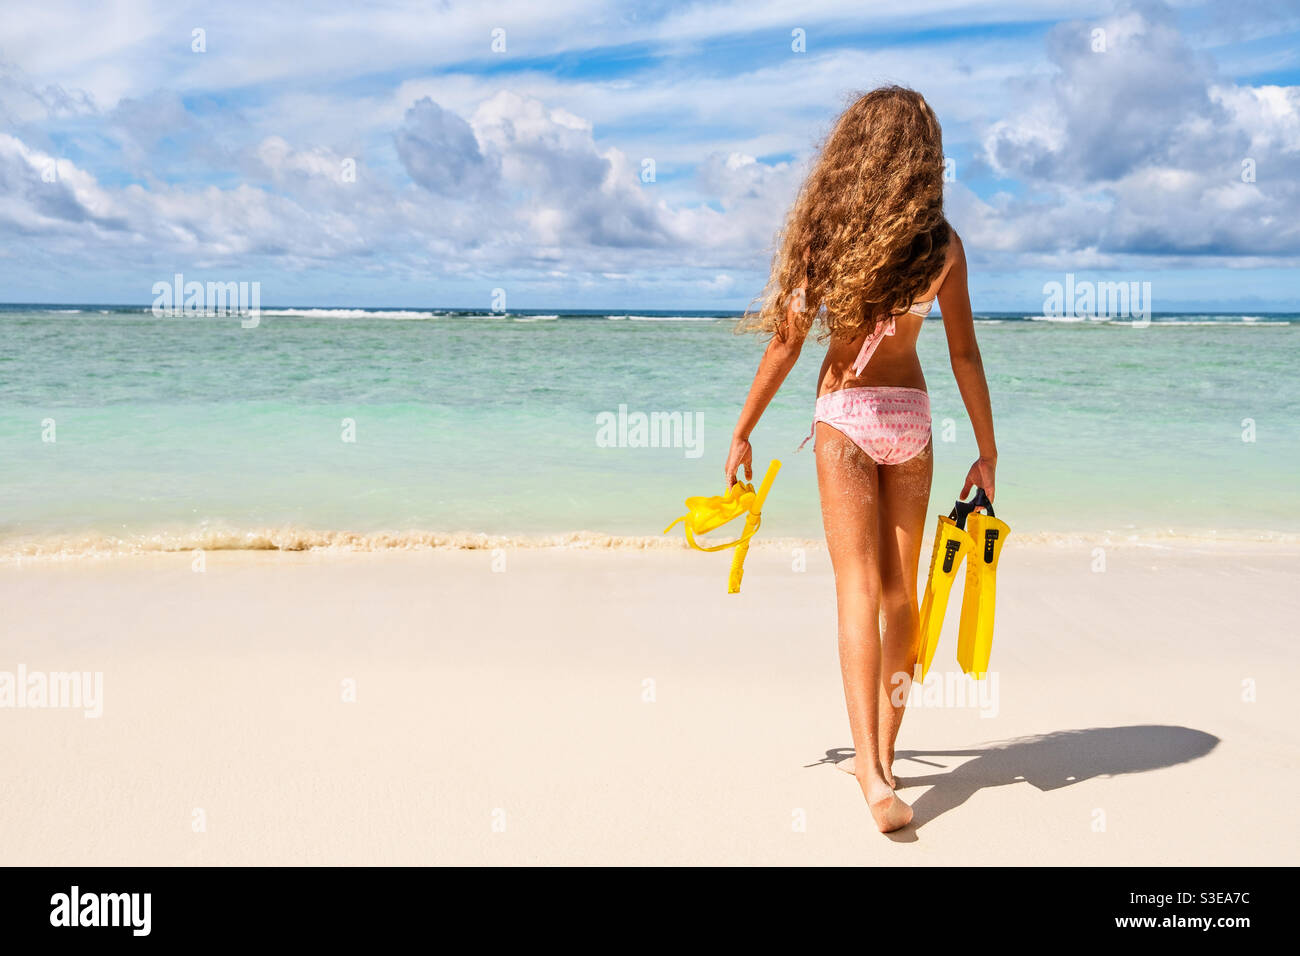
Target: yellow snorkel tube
[{"x": 706, "y": 514}]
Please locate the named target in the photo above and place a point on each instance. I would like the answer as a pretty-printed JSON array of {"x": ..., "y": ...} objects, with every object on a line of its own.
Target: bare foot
[
  {"x": 887, "y": 764},
  {"x": 889, "y": 812},
  {"x": 850, "y": 767}
]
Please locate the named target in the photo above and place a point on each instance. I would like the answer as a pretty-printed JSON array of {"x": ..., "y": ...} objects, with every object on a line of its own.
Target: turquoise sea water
[{"x": 193, "y": 430}]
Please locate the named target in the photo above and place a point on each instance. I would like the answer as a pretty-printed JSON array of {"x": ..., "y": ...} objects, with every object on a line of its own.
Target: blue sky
[{"x": 128, "y": 155}]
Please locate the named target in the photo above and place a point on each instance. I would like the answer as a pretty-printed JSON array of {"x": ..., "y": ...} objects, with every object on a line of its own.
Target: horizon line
[{"x": 612, "y": 311}]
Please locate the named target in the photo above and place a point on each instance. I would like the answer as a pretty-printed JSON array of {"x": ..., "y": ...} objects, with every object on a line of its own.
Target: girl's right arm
[{"x": 780, "y": 356}]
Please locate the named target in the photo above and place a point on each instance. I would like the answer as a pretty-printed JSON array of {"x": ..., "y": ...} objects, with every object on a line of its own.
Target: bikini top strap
[{"x": 883, "y": 327}]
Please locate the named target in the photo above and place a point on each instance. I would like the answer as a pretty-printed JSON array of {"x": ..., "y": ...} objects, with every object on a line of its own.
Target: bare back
[{"x": 895, "y": 362}]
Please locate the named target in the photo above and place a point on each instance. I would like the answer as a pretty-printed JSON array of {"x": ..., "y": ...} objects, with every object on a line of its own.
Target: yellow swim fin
[
  {"x": 951, "y": 545},
  {"x": 975, "y": 635}
]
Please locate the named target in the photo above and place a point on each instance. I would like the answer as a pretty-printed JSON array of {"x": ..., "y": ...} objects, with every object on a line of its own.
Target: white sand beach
[{"x": 616, "y": 706}]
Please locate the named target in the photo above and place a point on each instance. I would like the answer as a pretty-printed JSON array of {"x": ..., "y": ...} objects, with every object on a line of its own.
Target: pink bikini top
[{"x": 883, "y": 328}]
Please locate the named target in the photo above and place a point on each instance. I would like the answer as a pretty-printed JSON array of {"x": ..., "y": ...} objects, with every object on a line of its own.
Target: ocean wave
[
  {"x": 1173, "y": 539},
  {"x": 288, "y": 539},
  {"x": 668, "y": 318},
  {"x": 92, "y": 544},
  {"x": 1244, "y": 320},
  {"x": 1184, "y": 320},
  {"x": 1069, "y": 319},
  {"x": 60, "y": 313},
  {"x": 1171, "y": 319},
  {"x": 352, "y": 313}
]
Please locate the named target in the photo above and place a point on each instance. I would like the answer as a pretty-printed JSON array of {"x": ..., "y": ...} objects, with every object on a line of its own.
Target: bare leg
[
  {"x": 847, "y": 479},
  {"x": 904, "y": 504}
]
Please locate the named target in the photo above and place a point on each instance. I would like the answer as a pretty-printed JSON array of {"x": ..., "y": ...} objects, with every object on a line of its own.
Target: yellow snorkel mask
[{"x": 705, "y": 514}]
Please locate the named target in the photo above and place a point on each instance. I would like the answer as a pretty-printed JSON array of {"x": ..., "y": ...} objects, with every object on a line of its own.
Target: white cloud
[
  {"x": 441, "y": 153},
  {"x": 236, "y": 155},
  {"x": 1138, "y": 150}
]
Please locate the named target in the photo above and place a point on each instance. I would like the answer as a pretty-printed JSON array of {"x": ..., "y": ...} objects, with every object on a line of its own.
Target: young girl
[{"x": 866, "y": 250}]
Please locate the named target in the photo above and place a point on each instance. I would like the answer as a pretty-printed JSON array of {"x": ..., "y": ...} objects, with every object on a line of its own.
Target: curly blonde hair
[{"x": 867, "y": 235}]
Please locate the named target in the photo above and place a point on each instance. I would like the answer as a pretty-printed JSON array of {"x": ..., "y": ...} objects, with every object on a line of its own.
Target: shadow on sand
[{"x": 1046, "y": 761}]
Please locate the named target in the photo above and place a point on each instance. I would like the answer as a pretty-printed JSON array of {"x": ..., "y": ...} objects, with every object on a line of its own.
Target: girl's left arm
[{"x": 968, "y": 369}]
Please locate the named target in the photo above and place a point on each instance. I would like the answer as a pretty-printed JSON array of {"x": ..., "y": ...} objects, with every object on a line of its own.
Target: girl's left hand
[{"x": 980, "y": 476}]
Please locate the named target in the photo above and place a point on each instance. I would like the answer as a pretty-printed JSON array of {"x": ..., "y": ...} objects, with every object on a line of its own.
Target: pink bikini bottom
[{"x": 891, "y": 424}]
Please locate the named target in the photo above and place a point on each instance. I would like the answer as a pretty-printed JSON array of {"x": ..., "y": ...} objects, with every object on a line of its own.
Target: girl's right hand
[{"x": 741, "y": 454}]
